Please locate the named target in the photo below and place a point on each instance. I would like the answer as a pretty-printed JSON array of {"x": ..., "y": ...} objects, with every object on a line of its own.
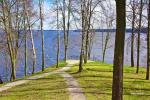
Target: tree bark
[
  {"x": 32, "y": 43},
  {"x": 83, "y": 37},
  {"x": 25, "y": 37},
  {"x": 117, "y": 86},
  {"x": 148, "y": 44},
  {"x": 132, "y": 36},
  {"x": 42, "y": 34},
  {"x": 138, "y": 41},
  {"x": 58, "y": 36}
]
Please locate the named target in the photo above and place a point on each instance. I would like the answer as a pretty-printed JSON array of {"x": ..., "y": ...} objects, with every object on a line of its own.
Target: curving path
[{"x": 75, "y": 91}]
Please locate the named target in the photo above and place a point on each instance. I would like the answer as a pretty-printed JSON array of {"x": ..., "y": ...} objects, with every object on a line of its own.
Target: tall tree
[
  {"x": 29, "y": 25},
  {"x": 42, "y": 33},
  {"x": 83, "y": 36},
  {"x": 148, "y": 43},
  {"x": 117, "y": 87},
  {"x": 133, "y": 28},
  {"x": 25, "y": 36},
  {"x": 66, "y": 27},
  {"x": 58, "y": 35},
  {"x": 139, "y": 32},
  {"x": 11, "y": 36}
]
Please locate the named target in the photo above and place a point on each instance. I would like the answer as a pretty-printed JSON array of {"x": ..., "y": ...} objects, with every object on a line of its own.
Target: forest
[{"x": 75, "y": 49}]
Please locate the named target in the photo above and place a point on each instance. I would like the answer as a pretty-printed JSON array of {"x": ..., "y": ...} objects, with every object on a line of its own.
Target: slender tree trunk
[
  {"x": 25, "y": 39},
  {"x": 148, "y": 44},
  {"x": 58, "y": 36},
  {"x": 34, "y": 52},
  {"x": 68, "y": 29},
  {"x": 105, "y": 46},
  {"x": 8, "y": 30},
  {"x": 42, "y": 34},
  {"x": 13, "y": 70},
  {"x": 32, "y": 42},
  {"x": 87, "y": 25},
  {"x": 117, "y": 87},
  {"x": 82, "y": 41},
  {"x": 132, "y": 37},
  {"x": 25, "y": 66},
  {"x": 138, "y": 42},
  {"x": 102, "y": 44},
  {"x": 33, "y": 46},
  {"x": 64, "y": 29},
  {"x": 1, "y": 82}
]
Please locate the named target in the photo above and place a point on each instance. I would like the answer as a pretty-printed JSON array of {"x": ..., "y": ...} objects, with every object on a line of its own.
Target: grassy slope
[
  {"x": 52, "y": 87},
  {"x": 96, "y": 80}
]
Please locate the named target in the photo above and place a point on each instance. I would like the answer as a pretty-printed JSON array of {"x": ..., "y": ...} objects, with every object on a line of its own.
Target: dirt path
[{"x": 74, "y": 89}]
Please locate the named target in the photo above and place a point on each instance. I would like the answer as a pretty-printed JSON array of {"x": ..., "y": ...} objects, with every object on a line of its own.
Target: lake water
[{"x": 73, "y": 51}]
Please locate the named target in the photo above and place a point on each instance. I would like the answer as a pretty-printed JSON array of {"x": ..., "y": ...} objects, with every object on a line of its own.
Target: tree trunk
[
  {"x": 25, "y": 39},
  {"x": 58, "y": 36},
  {"x": 138, "y": 42},
  {"x": 132, "y": 37},
  {"x": 148, "y": 44},
  {"x": 42, "y": 34},
  {"x": 64, "y": 29},
  {"x": 117, "y": 87},
  {"x": 12, "y": 50},
  {"x": 13, "y": 71},
  {"x": 83, "y": 38},
  {"x": 33, "y": 47},
  {"x": 1, "y": 82}
]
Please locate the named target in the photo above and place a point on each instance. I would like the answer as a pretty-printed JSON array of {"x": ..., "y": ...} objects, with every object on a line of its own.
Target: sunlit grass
[
  {"x": 52, "y": 87},
  {"x": 96, "y": 81}
]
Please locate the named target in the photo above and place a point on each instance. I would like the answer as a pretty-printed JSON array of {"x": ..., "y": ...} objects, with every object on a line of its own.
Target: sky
[{"x": 50, "y": 16}]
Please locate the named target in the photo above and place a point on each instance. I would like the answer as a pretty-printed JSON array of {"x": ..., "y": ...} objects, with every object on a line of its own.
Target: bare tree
[
  {"x": 29, "y": 24},
  {"x": 25, "y": 38},
  {"x": 42, "y": 33},
  {"x": 83, "y": 35},
  {"x": 109, "y": 18},
  {"x": 11, "y": 37},
  {"x": 58, "y": 35}
]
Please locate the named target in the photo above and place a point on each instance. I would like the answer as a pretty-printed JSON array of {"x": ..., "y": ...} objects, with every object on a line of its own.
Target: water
[{"x": 73, "y": 51}]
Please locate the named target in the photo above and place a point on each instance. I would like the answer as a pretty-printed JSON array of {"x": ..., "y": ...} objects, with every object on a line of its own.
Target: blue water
[{"x": 73, "y": 51}]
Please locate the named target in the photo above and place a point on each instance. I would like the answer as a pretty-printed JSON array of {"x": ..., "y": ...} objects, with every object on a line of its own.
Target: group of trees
[
  {"x": 18, "y": 17},
  {"x": 117, "y": 88}
]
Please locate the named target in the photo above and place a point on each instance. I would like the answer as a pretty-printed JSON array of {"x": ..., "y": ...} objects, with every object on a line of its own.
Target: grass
[
  {"x": 49, "y": 69},
  {"x": 52, "y": 87},
  {"x": 96, "y": 81}
]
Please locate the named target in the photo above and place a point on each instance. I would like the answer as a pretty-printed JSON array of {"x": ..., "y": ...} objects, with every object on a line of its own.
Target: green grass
[
  {"x": 52, "y": 87},
  {"x": 96, "y": 81},
  {"x": 49, "y": 69}
]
